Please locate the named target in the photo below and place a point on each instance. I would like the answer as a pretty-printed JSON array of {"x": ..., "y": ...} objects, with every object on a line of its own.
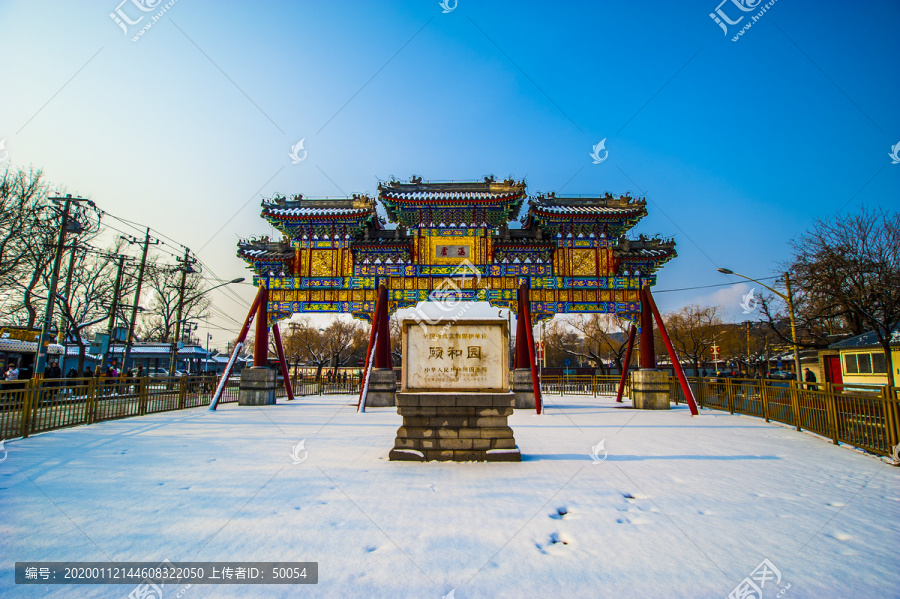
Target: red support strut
[
  {"x": 242, "y": 336},
  {"x": 646, "y": 298},
  {"x": 372, "y": 349},
  {"x": 285, "y": 374}
]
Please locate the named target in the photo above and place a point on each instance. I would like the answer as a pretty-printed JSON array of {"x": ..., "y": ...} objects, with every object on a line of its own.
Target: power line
[{"x": 709, "y": 286}]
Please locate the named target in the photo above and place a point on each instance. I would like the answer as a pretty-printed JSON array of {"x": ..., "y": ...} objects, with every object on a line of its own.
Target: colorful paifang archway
[{"x": 454, "y": 240}]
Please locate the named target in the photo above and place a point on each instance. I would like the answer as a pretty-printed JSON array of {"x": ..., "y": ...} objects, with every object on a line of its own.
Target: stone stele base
[
  {"x": 257, "y": 387},
  {"x": 459, "y": 427},
  {"x": 523, "y": 387},
  {"x": 382, "y": 388},
  {"x": 650, "y": 390}
]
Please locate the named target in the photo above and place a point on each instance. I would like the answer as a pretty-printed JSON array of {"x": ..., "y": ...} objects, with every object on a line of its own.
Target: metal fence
[
  {"x": 582, "y": 385},
  {"x": 865, "y": 416},
  {"x": 34, "y": 406}
]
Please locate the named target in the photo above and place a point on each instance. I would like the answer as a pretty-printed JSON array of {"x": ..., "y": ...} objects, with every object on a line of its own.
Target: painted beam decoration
[{"x": 453, "y": 241}]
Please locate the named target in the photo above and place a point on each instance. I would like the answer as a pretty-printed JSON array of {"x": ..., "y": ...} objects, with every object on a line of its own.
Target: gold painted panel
[
  {"x": 584, "y": 262},
  {"x": 432, "y": 256},
  {"x": 322, "y": 263}
]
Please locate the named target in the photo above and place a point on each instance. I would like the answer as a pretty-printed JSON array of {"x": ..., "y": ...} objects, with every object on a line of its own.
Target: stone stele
[{"x": 455, "y": 397}]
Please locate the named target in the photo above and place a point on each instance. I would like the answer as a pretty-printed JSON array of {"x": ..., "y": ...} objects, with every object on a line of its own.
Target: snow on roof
[
  {"x": 867, "y": 339},
  {"x": 441, "y": 312}
]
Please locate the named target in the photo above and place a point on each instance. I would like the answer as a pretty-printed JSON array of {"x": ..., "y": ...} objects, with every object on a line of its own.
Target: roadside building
[{"x": 861, "y": 360}]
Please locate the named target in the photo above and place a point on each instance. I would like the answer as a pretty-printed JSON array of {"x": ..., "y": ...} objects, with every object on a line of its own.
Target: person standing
[{"x": 12, "y": 373}]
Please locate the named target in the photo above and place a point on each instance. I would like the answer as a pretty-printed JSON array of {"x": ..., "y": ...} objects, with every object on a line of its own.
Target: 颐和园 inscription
[{"x": 467, "y": 355}]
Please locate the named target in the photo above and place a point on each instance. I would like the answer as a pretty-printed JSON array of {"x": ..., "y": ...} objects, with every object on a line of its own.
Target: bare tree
[
  {"x": 850, "y": 266},
  {"x": 163, "y": 282},
  {"x": 23, "y": 197},
  {"x": 561, "y": 343},
  {"x": 604, "y": 334},
  {"x": 89, "y": 297},
  {"x": 332, "y": 346},
  {"x": 694, "y": 330}
]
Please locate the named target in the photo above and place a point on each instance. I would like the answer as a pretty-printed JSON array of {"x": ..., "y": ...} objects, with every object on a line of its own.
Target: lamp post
[
  {"x": 174, "y": 358},
  {"x": 788, "y": 298},
  {"x": 206, "y": 360}
]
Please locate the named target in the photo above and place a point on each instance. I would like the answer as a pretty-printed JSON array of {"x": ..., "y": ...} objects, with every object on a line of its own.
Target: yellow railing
[
  {"x": 33, "y": 406},
  {"x": 581, "y": 385},
  {"x": 867, "y": 417}
]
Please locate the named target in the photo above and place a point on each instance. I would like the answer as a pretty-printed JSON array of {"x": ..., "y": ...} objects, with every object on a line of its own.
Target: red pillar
[
  {"x": 382, "y": 358},
  {"x": 648, "y": 351},
  {"x": 626, "y": 363},
  {"x": 526, "y": 300},
  {"x": 521, "y": 355},
  {"x": 261, "y": 343}
]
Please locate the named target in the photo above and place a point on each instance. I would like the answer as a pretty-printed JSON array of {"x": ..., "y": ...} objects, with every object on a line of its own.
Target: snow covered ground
[{"x": 679, "y": 507}]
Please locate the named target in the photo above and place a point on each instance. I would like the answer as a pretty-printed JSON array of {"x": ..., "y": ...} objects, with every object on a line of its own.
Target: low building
[{"x": 862, "y": 359}]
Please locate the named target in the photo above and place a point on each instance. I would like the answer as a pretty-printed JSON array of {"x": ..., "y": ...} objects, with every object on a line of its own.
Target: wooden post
[
  {"x": 764, "y": 397},
  {"x": 628, "y": 349}
]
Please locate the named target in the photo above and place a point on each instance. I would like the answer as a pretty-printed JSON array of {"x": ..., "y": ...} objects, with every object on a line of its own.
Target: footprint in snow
[{"x": 561, "y": 513}]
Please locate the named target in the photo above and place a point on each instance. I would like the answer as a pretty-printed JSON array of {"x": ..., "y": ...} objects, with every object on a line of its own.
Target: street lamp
[
  {"x": 174, "y": 358},
  {"x": 790, "y": 304}
]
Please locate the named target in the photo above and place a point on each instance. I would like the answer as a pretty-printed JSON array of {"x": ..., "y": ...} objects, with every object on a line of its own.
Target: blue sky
[{"x": 739, "y": 146}]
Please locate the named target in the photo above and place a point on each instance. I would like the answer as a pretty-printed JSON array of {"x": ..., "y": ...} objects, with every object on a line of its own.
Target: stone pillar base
[
  {"x": 458, "y": 427},
  {"x": 650, "y": 390},
  {"x": 523, "y": 387},
  {"x": 382, "y": 388},
  {"x": 257, "y": 387}
]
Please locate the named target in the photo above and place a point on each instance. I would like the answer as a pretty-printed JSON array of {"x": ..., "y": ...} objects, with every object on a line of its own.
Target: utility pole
[
  {"x": 748, "y": 348},
  {"x": 43, "y": 340},
  {"x": 184, "y": 272},
  {"x": 113, "y": 308},
  {"x": 137, "y": 295},
  {"x": 790, "y": 304}
]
